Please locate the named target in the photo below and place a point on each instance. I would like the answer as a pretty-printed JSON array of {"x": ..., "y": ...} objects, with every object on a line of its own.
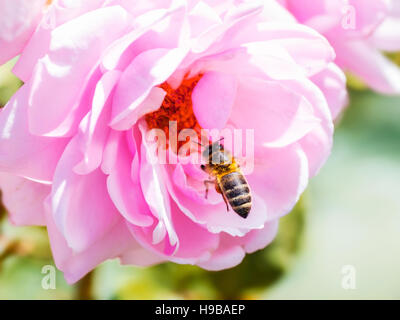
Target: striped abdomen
[{"x": 237, "y": 192}]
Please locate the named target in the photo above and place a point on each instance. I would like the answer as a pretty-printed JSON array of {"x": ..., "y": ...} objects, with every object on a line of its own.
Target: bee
[{"x": 228, "y": 179}]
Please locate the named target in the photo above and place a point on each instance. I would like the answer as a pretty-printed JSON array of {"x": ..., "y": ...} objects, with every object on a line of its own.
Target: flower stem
[{"x": 84, "y": 290}]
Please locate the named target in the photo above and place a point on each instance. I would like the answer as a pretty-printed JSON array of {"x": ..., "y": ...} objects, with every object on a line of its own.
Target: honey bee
[{"x": 228, "y": 179}]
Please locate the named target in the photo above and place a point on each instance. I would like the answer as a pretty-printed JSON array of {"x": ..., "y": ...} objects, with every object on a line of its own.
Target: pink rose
[
  {"x": 359, "y": 30},
  {"x": 73, "y": 147}
]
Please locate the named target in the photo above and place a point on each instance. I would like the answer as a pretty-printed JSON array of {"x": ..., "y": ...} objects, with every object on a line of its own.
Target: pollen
[{"x": 177, "y": 106}]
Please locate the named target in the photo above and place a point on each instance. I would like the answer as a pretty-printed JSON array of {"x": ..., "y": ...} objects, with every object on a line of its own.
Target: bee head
[{"x": 210, "y": 149}]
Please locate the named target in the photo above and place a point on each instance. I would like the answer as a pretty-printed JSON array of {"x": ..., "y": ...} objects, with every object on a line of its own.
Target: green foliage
[
  {"x": 24, "y": 251},
  {"x": 394, "y": 56},
  {"x": 9, "y": 83},
  {"x": 355, "y": 83}
]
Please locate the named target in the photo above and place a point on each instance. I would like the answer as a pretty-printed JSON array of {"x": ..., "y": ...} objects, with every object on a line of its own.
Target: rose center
[{"x": 177, "y": 106}]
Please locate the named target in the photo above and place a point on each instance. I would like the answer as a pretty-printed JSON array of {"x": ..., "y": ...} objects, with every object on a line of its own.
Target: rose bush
[{"x": 100, "y": 74}]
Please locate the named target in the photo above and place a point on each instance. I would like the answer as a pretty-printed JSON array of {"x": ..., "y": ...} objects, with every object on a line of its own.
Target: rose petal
[
  {"x": 38, "y": 45},
  {"x": 306, "y": 47},
  {"x": 160, "y": 28},
  {"x": 75, "y": 265},
  {"x": 277, "y": 115},
  {"x": 387, "y": 36},
  {"x": 213, "y": 99},
  {"x": 332, "y": 82},
  {"x": 225, "y": 257},
  {"x": 94, "y": 129},
  {"x": 317, "y": 144},
  {"x": 195, "y": 242},
  {"x": 280, "y": 179},
  {"x": 80, "y": 204},
  {"x": 231, "y": 250},
  {"x": 24, "y": 199},
  {"x": 147, "y": 70},
  {"x": 369, "y": 64},
  {"x": 125, "y": 190},
  {"x": 215, "y": 217},
  {"x": 18, "y": 21},
  {"x": 74, "y": 53},
  {"x": 21, "y": 152},
  {"x": 152, "y": 177}
]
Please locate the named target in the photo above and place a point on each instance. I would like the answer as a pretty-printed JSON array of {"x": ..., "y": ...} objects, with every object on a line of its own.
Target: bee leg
[
  {"x": 218, "y": 189},
  {"x": 206, "y": 183},
  {"x": 226, "y": 202}
]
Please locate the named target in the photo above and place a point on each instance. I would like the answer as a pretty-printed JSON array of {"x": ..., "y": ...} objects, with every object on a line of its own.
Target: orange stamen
[{"x": 177, "y": 106}]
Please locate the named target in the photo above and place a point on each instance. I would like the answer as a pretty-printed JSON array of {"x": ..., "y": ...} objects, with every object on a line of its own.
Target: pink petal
[
  {"x": 24, "y": 199},
  {"x": 94, "y": 129},
  {"x": 110, "y": 151},
  {"x": 160, "y": 28},
  {"x": 75, "y": 265},
  {"x": 138, "y": 8},
  {"x": 226, "y": 256},
  {"x": 387, "y": 36},
  {"x": 280, "y": 179},
  {"x": 277, "y": 115},
  {"x": 259, "y": 239},
  {"x": 193, "y": 186},
  {"x": 307, "y": 48},
  {"x": 79, "y": 201},
  {"x": 213, "y": 99},
  {"x": 147, "y": 70},
  {"x": 332, "y": 82},
  {"x": 306, "y": 9},
  {"x": 21, "y": 152},
  {"x": 327, "y": 16},
  {"x": 275, "y": 11},
  {"x": 74, "y": 53},
  {"x": 213, "y": 40},
  {"x": 152, "y": 181},
  {"x": 38, "y": 45},
  {"x": 369, "y": 64},
  {"x": 317, "y": 143},
  {"x": 254, "y": 59},
  {"x": 317, "y": 146},
  {"x": 151, "y": 103},
  {"x": 19, "y": 19},
  {"x": 125, "y": 190},
  {"x": 195, "y": 242},
  {"x": 202, "y": 18},
  {"x": 369, "y": 14},
  {"x": 214, "y": 216},
  {"x": 231, "y": 250}
]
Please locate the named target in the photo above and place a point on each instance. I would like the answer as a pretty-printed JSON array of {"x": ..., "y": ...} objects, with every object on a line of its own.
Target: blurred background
[{"x": 342, "y": 241}]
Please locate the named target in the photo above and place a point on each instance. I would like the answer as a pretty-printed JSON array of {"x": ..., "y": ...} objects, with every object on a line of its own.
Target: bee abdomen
[
  {"x": 237, "y": 192},
  {"x": 239, "y": 200},
  {"x": 243, "y": 210}
]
